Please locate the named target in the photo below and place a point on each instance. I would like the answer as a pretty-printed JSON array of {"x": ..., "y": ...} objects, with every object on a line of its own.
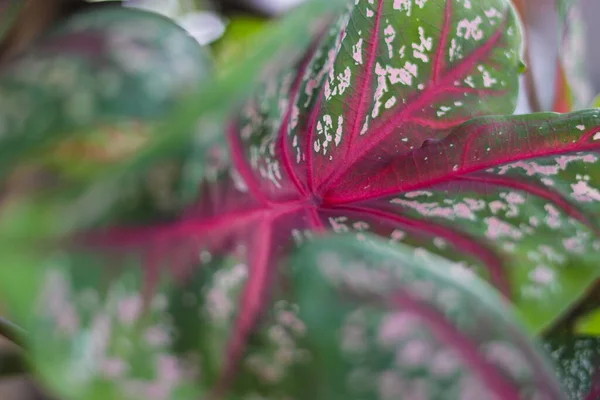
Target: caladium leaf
[
  {"x": 385, "y": 323},
  {"x": 275, "y": 360},
  {"x": 83, "y": 82},
  {"x": 577, "y": 360},
  {"x": 107, "y": 340},
  {"x": 317, "y": 150},
  {"x": 381, "y": 87}
]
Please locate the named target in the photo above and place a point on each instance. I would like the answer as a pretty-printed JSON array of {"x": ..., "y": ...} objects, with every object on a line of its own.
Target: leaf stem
[{"x": 11, "y": 332}]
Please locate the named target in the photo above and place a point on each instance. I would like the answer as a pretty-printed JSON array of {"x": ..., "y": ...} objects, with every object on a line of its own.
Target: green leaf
[
  {"x": 238, "y": 37},
  {"x": 589, "y": 324},
  {"x": 384, "y": 322}
]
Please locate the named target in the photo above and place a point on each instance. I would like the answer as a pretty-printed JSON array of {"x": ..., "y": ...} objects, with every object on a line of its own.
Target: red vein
[
  {"x": 251, "y": 305},
  {"x": 283, "y": 133},
  {"x": 469, "y": 352},
  {"x": 127, "y": 237},
  {"x": 473, "y": 136},
  {"x": 437, "y": 124},
  {"x": 539, "y": 191},
  {"x": 447, "y": 174},
  {"x": 379, "y": 132},
  {"x": 241, "y": 165},
  {"x": 439, "y": 61},
  {"x": 365, "y": 82},
  {"x": 314, "y": 220},
  {"x": 460, "y": 240}
]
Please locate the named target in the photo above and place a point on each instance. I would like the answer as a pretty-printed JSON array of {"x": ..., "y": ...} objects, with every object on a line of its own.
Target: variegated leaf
[
  {"x": 384, "y": 323},
  {"x": 83, "y": 82},
  {"x": 513, "y": 197},
  {"x": 94, "y": 333}
]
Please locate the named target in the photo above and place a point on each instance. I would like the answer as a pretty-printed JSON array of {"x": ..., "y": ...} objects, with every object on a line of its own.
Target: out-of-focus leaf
[
  {"x": 589, "y": 324},
  {"x": 573, "y": 55},
  {"x": 384, "y": 323},
  {"x": 93, "y": 335},
  {"x": 577, "y": 360},
  {"x": 238, "y": 36},
  {"x": 94, "y": 85},
  {"x": 554, "y": 30}
]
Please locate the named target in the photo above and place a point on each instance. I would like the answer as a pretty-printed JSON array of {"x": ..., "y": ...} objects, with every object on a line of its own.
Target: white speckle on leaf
[
  {"x": 390, "y": 103},
  {"x": 390, "y": 34},
  {"x": 584, "y": 193},
  {"x": 470, "y": 29},
  {"x": 403, "y": 5},
  {"x": 357, "y": 52},
  {"x": 420, "y": 50},
  {"x": 542, "y": 275}
]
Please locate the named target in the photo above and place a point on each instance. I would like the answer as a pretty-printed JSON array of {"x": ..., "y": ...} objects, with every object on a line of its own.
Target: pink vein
[
  {"x": 439, "y": 61},
  {"x": 240, "y": 163},
  {"x": 447, "y": 174},
  {"x": 195, "y": 228},
  {"x": 449, "y": 334},
  {"x": 363, "y": 86},
  {"x": 460, "y": 240},
  {"x": 314, "y": 220},
  {"x": 437, "y": 124},
  {"x": 261, "y": 267},
  {"x": 545, "y": 193},
  {"x": 283, "y": 130},
  {"x": 379, "y": 132}
]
